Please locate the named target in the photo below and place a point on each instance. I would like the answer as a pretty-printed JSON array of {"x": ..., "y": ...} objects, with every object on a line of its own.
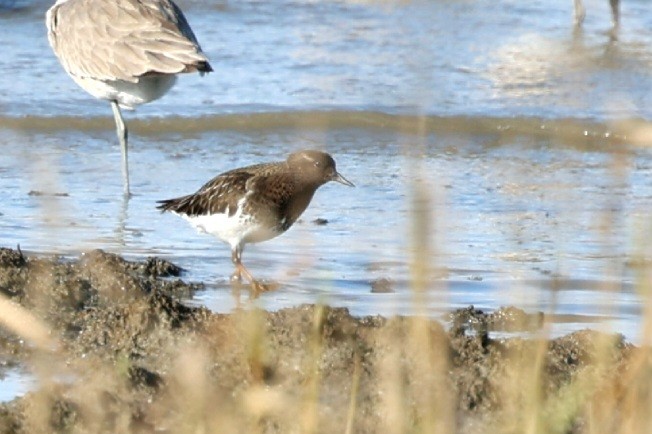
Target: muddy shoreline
[{"x": 123, "y": 354}]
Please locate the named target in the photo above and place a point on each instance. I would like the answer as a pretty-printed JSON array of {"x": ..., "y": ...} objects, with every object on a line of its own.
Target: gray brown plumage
[
  {"x": 125, "y": 51},
  {"x": 123, "y": 39},
  {"x": 256, "y": 203}
]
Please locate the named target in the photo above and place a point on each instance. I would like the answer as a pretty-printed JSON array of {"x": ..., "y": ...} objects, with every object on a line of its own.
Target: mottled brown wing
[
  {"x": 218, "y": 195},
  {"x": 123, "y": 39}
]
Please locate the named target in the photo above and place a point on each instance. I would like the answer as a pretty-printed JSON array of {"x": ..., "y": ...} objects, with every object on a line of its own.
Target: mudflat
[{"x": 122, "y": 353}]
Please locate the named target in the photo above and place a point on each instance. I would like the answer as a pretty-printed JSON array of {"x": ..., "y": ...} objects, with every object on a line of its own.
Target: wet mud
[{"x": 129, "y": 356}]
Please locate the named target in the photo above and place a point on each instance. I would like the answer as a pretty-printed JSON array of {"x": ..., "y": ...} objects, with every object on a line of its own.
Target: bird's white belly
[
  {"x": 127, "y": 94},
  {"x": 232, "y": 229}
]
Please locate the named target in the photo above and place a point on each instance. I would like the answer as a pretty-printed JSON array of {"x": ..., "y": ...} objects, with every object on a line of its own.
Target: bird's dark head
[{"x": 316, "y": 167}]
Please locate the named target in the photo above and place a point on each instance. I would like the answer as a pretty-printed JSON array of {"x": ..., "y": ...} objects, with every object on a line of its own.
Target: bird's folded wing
[{"x": 123, "y": 39}]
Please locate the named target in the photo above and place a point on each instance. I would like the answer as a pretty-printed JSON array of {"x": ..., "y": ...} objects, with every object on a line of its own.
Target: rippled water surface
[{"x": 521, "y": 140}]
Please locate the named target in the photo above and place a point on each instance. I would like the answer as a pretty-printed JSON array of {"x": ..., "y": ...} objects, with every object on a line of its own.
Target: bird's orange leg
[{"x": 241, "y": 270}]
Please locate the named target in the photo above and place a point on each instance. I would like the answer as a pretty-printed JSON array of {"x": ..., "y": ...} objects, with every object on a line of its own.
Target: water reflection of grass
[
  {"x": 130, "y": 361},
  {"x": 133, "y": 360}
]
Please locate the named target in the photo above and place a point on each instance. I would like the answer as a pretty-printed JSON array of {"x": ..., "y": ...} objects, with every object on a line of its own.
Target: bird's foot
[
  {"x": 236, "y": 277},
  {"x": 258, "y": 287}
]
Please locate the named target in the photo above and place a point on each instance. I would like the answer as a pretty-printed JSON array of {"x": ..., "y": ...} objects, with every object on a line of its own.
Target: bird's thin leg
[
  {"x": 236, "y": 254},
  {"x": 615, "y": 20},
  {"x": 240, "y": 270},
  {"x": 580, "y": 12},
  {"x": 615, "y": 12},
  {"x": 123, "y": 134}
]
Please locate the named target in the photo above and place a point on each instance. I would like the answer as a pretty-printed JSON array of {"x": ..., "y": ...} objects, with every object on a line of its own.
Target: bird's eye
[{"x": 317, "y": 164}]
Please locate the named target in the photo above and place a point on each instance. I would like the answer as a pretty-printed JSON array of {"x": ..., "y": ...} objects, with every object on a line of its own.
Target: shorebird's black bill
[{"x": 342, "y": 180}]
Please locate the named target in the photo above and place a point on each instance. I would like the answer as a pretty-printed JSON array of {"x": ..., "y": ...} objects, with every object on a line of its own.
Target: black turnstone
[{"x": 256, "y": 203}]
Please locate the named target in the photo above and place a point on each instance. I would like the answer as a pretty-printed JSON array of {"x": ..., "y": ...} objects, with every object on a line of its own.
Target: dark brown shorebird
[
  {"x": 256, "y": 203},
  {"x": 128, "y": 52}
]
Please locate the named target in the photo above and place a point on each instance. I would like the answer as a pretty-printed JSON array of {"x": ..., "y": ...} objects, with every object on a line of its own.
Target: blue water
[
  {"x": 506, "y": 58},
  {"x": 514, "y": 124},
  {"x": 13, "y": 383}
]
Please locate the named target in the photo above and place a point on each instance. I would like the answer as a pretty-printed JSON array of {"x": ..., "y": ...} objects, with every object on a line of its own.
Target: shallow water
[
  {"x": 14, "y": 382},
  {"x": 538, "y": 195}
]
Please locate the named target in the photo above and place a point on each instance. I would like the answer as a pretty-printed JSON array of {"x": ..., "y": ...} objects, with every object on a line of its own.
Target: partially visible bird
[
  {"x": 580, "y": 12},
  {"x": 128, "y": 52},
  {"x": 256, "y": 203}
]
